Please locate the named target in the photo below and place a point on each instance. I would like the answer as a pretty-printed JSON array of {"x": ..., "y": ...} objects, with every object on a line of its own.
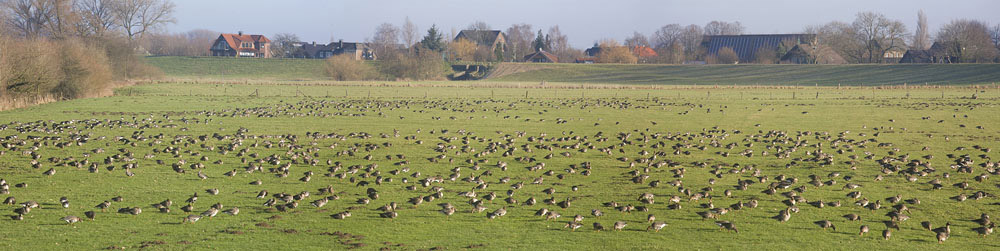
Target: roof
[
  {"x": 746, "y": 46},
  {"x": 548, "y": 56},
  {"x": 480, "y": 37},
  {"x": 234, "y": 39},
  {"x": 643, "y": 51},
  {"x": 821, "y": 53}
]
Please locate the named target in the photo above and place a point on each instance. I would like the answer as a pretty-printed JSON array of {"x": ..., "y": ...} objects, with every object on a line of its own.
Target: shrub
[
  {"x": 727, "y": 55},
  {"x": 347, "y": 68},
  {"x": 426, "y": 64},
  {"x": 85, "y": 69}
]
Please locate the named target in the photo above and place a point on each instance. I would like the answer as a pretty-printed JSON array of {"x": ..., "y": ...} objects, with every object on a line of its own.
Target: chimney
[{"x": 240, "y": 33}]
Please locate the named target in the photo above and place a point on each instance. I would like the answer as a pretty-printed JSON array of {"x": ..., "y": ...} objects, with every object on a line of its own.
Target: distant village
[{"x": 870, "y": 39}]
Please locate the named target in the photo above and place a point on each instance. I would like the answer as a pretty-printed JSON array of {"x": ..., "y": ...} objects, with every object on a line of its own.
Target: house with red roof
[
  {"x": 242, "y": 46},
  {"x": 644, "y": 53}
]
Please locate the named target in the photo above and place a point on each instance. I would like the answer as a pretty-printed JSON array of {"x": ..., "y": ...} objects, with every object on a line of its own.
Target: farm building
[
  {"x": 359, "y": 51},
  {"x": 541, "y": 56},
  {"x": 488, "y": 38},
  {"x": 644, "y": 53},
  {"x": 747, "y": 46},
  {"x": 241, "y": 45},
  {"x": 812, "y": 54},
  {"x": 939, "y": 53}
]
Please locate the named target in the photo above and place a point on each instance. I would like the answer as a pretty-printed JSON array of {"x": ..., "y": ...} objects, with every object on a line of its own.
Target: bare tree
[
  {"x": 96, "y": 17},
  {"x": 479, "y": 25},
  {"x": 283, "y": 45},
  {"x": 666, "y": 36},
  {"x": 995, "y": 35},
  {"x": 724, "y": 28},
  {"x": 922, "y": 38},
  {"x": 519, "y": 38},
  {"x": 691, "y": 39},
  {"x": 136, "y": 17},
  {"x": 637, "y": 39},
  {"x": 28, "y": 17},
  {"x": 969, "y": 40},
  {"x": 62, "y": 19},
  {"x": 386, "y": 39},
  {"x": 409, "y": 33},
  {"x": 878, "y": 35}
]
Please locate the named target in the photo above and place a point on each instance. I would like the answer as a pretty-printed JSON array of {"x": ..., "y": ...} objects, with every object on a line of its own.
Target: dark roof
[
  {"x": 816, "y": 54},
  {"x": 543, "y": 54},
  {"x": 746, "y": 46},
  {"x": 592, "y": 51},
  {"x": 480, "y": 37},
  {"x": 940, "y": 52}
]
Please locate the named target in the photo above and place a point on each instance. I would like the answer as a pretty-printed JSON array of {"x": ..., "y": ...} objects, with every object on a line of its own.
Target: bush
[
  {"x": 727, "y": 55},
  {"x": 65, "y": 69},
  {"x": 347, "y": 68},
  {"x": 425, "y": 65},
  {"x": 85, "y": 69}
]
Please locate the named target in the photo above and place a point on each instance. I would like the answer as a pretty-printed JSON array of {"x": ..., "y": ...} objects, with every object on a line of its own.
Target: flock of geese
[{"x": 490, "y": 174}]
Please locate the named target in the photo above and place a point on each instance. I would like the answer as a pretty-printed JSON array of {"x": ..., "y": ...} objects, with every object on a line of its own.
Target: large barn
[{"x": 747, "y": 46}]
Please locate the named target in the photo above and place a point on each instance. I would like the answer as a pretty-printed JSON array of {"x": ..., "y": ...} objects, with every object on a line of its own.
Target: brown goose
[
  {"x": 826, "y": 224},
  {"x": 864, "y": 230},
  {"x": 657, "y": 226},
  {"x": 729, "y": 226},
  {"x": 620, "y": 225},
  {"x": 71, "y": 219}
]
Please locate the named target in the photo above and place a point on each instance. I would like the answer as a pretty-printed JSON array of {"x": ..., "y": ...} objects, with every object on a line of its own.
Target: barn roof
[
  {"x": 480, "y": 37},
  {"x": 746, "y": 46},
  {"x": 544, "y": 54}
]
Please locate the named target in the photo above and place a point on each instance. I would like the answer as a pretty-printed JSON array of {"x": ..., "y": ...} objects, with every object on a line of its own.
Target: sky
[{"x": 583, "y": 21}]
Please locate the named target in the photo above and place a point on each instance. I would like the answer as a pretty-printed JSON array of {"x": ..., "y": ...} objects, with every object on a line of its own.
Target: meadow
[{"x": 573, "y": 147}]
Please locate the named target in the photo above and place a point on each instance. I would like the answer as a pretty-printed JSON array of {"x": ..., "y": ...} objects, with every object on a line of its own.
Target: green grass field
[
  {"x": 239, "y": 68},
  {"x": 802, "y": 75},
  {"x": 441, "y": 130}
]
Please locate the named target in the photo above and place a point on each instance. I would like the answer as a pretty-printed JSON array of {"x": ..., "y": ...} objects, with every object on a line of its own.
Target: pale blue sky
[{"x": 584, "y": 21}]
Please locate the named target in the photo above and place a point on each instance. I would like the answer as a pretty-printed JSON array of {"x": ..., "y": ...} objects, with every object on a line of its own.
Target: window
[{"x": 247, "y": 45}]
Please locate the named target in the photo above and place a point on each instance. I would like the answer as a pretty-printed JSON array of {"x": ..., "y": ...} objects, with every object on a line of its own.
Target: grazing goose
[
  {"x": 211, "y": 212},
  {"x": 941, "y": 237},
  {"x": 103, "y": 206},
  {"x": 852, "y": 217},
  {"x": 232, "y": 211},
  {"x": 596, "y": 213},
  {"x": 598, "y": 227},
  {"x": 71, "y": 219},
  {"x": 191, "y": 219},
  {"x": 945, "y": 229},
  {"x": 573, "y": 225},
  {"x": 926, "y": 225},
  {"x": 213, "y": 191},
  {"x": 650, "y": 218},
  {"x": 389, "y": 214},
  {"x": 657, "y": 226},
  {"x": 729, "y": 226},
  {"x": 864, "y": 230},
  {"x": 985, "y": 230},
  {"x": 202, "y": 175},
  {"x": 17, "y": 217},
  {"x": 619, "y": 225},
  {"x": 886, "y": 234},
  {"x": 90, "y": 215},
  {"x": 448, "y": 211},
  {"x": 342, "y": 215},
  {"x": 826, "y": 224}
]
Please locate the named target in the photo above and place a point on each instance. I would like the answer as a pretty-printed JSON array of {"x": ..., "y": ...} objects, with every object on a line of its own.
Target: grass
[
  {"x": 483, "y": 115},
  {"x": 239, "y": 68},
  {"x": 254, "y": 69},
  {"x": 802, "y": 75}
]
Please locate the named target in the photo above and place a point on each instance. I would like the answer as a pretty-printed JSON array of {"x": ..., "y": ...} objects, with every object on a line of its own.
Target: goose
[
  {"x": 202, "y": 175},
  {"x": 985, "y": 230},
  {"x": 826, "y": 224},
  {"x": 656, "y": 226},
  {"x": 650, "y": 218},
  {"x": 852, "y": 217},
  {"x": 232, "y": 211},
  {"x": 596, "y": 213},
  {"x": 598, "y": 227},
  {"x": 886, "y": 234},
  {"x": 389, "y": 214},
  {"x": 727, "y": 226},
  {"x": 90, "y": 215},
  {"x": 620, "y": 225},
  {"x": 926, "y": 225},
  {"x": 71, "y": 219},
  {"x": 864, "y": 230},
  {"x": 941, "y": 237},
  {"x": 103, "y": 206},
  {"x": 211, "y": 212},
  {"x": 573, "y": 225},
  {"x": 191, "y": 219}
]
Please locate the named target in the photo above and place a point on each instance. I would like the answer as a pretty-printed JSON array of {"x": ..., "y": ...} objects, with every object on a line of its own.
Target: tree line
[{"x": 74, "y": 48}]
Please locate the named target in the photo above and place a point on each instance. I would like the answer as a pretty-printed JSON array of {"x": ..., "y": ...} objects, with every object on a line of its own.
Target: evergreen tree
[
  {"x": 539, "y": 42},
  {"x": 433, "y": 40}
]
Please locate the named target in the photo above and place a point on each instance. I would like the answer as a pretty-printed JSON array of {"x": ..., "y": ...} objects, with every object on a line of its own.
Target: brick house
[{"x": 242, "y": 46}]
